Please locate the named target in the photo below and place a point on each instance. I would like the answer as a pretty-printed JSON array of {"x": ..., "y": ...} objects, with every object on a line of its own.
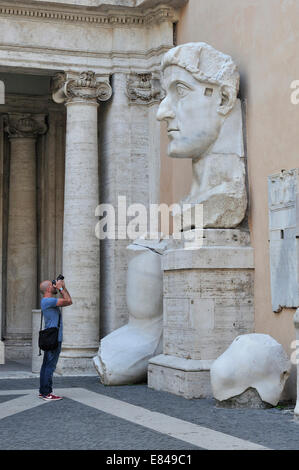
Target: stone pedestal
[{"x": 208, "y": 301}]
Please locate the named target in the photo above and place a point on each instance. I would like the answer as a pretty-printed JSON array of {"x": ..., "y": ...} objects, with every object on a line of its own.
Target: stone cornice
[
  {"x": 104, "y": 4},
  {"x": 114, "y": 17}
]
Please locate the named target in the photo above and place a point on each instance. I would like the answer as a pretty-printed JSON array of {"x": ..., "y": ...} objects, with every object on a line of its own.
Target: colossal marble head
[{"x": 201, "y": 86}]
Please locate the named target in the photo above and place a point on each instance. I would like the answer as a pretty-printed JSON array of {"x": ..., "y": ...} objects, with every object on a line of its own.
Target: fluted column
[
  {"x": 81, "y": 257},
  {"x": 23, "y": 130}
]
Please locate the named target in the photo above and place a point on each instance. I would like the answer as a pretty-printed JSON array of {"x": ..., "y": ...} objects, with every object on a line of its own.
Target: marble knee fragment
[{"x": 252, "y": 361}]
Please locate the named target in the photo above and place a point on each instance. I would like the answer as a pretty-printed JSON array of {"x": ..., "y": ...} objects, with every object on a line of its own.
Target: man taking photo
[{"x": 50, "y": 307}]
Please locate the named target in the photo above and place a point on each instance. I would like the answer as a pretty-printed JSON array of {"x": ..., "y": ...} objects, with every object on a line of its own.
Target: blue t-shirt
[{"x": 51, "y": 314}]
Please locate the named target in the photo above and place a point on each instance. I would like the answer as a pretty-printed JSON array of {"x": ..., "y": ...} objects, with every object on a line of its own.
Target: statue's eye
[{"x": 182, "y": 90}]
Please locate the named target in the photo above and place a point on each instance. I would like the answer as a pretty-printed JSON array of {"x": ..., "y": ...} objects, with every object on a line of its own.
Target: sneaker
[
  {"x": 51, "y": 397},
  {"x": 40, "y": 395}
]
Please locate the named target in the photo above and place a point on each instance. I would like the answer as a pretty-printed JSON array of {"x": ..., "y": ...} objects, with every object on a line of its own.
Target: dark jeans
[{"x": 47, "y": 369}]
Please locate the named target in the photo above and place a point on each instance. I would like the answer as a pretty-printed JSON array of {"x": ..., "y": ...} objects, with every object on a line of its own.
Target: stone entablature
[
  {"x": 119, "y": 38},
  {"x": 114, "y": 3},
  {"x": 121, "y": 16}
]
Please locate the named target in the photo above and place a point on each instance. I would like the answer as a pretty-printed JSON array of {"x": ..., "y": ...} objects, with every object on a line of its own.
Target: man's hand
[
  {"x": 60, "y": 284},
  {"x": 66, "y": 298}
]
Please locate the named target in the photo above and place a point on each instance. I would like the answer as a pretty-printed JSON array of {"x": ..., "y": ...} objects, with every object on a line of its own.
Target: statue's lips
[{"x": 172, "y": 130}]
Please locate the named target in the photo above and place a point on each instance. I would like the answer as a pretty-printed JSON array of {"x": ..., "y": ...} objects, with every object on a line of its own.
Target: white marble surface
[
  {"x": 252, "y": 361},
  {"x": 123, "y": 354},
  {"x": 204, "y": 123}
]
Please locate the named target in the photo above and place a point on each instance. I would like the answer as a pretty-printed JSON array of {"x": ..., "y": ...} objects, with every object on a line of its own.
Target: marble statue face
[{"x": 191, "y": 110}]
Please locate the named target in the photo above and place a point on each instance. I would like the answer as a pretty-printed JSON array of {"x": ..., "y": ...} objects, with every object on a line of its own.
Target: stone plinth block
[
  {"x": 184, "y": 377},
  {"x": 208, "y": 302}
]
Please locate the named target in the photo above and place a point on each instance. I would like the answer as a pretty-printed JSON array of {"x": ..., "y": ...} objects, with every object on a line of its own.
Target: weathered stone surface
[
  {"x": 208, "y": 301},
  {"x": 186, "y": 377},
  {"x": 248, "y": 399},
  {"x": 283, "y": 189},
  {"x": 183, "y": 383},
  {"x": 118, "y": 39},
  {"x": 115, "y": 3}
]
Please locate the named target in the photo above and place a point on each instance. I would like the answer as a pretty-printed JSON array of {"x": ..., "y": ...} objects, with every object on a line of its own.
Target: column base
[
  {"x": 19, "y": 348},
  {"x": 2, "y": 352},
  {"x": 76, "y": 362},
  {"x": 184, "y": 377}
]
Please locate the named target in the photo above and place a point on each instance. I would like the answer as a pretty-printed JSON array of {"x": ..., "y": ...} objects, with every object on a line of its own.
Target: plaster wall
[{"x": 262, "y": 36}]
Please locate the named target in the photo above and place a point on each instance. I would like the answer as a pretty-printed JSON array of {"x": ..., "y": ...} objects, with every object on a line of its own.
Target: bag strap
[
  {"x": 58, "y": 326},
  {"x": 41, "y": 320},
  {"x": 41, "y": 325}
]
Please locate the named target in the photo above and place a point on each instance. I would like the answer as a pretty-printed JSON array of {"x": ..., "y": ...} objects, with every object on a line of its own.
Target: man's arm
[{"x": 66, "y": 299}]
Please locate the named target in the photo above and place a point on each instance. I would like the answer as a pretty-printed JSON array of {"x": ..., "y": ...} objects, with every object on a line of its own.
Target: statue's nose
[{"x": 165, "y": 111}]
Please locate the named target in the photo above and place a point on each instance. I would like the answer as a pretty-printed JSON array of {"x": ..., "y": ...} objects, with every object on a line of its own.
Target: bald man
[{"x": 51, "y": 313}]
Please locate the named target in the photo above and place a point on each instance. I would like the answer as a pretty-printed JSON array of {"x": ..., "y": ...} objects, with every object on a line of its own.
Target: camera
[{"x": 60, "y": 277}]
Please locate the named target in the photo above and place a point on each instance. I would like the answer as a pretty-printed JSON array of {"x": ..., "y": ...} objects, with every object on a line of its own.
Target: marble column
[
  {"x": 23, "y": 130},
  {"x": 81, "y": 257},
  {"x": 2, "y": 345}
]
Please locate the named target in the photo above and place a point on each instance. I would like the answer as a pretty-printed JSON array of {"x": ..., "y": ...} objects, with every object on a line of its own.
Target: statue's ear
[{"x": 228, "y": 99}]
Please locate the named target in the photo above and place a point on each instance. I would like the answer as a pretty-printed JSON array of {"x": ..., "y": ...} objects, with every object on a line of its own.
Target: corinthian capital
[
  {"x": 83, "y": 87},
  {"x": 26, "y": 125}
]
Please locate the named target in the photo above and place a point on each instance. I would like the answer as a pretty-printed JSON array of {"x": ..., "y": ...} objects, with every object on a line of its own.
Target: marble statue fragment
[
  {"x": 253, "y": 361},
  {"x": 123, "y": 354},
  {"x": 203, "y": 278},
  {"x": 204, "y": 123}
]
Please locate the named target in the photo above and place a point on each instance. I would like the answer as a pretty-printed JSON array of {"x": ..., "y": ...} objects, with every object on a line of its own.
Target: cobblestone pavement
[{"x": 94, "y": 416}]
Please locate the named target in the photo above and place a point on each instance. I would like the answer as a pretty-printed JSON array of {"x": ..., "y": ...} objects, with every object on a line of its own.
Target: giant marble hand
[{"x": 204, "y": 123}]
